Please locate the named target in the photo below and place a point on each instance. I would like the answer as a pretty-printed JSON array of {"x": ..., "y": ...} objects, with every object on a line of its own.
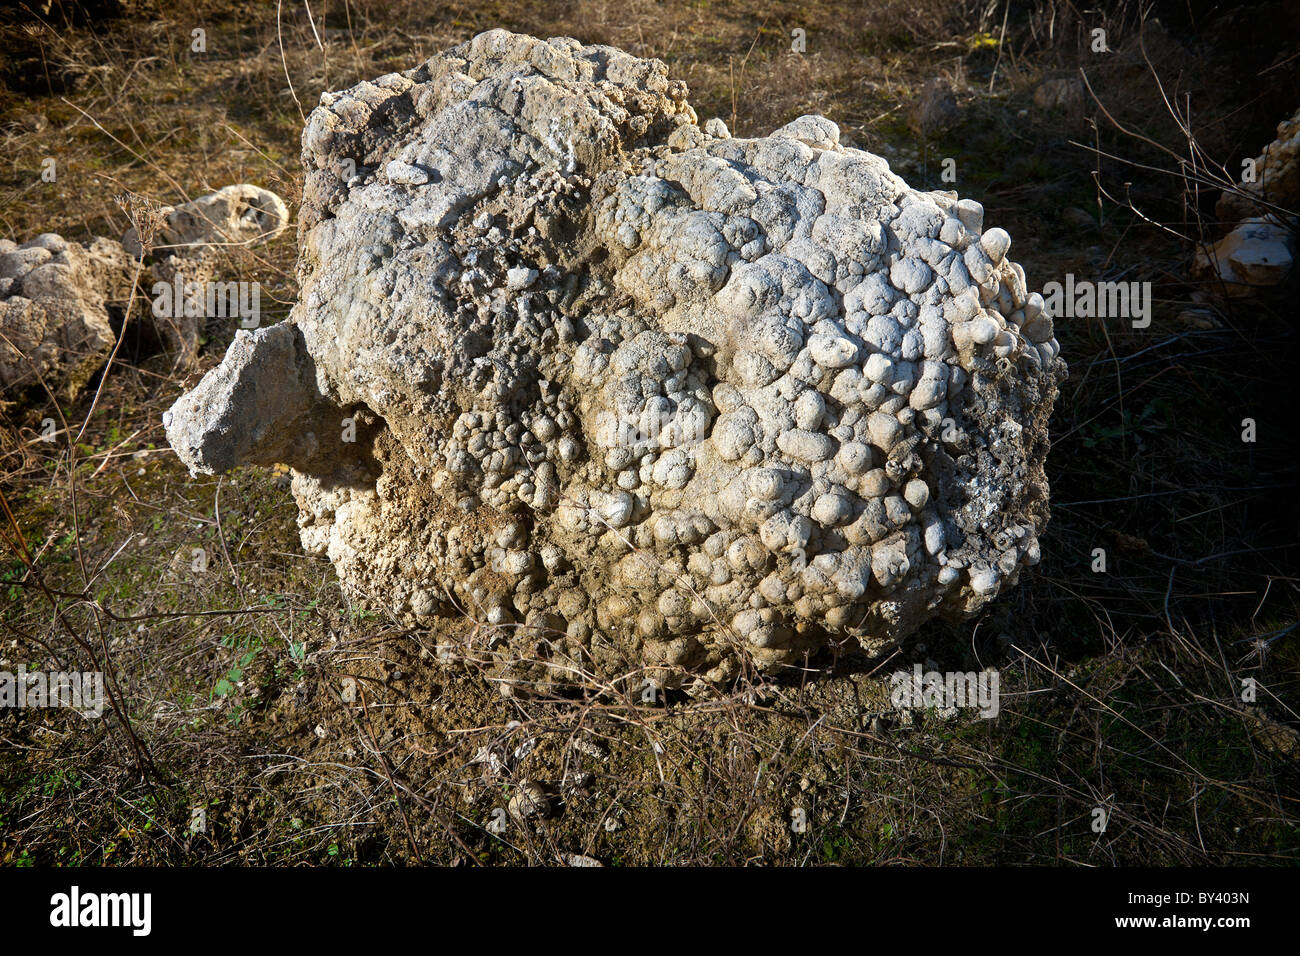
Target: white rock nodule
[{"x": 639, "y": 345}]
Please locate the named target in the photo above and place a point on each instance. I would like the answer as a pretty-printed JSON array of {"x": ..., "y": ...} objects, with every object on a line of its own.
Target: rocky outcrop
[{"x": 629, "y": 390}]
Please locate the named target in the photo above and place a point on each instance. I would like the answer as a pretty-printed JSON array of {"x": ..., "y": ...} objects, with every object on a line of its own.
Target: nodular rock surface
[{"x": 627, "y": 390}]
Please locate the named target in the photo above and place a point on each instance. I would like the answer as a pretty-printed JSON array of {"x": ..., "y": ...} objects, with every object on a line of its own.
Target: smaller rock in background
[
  {"x": 1258, "y": 253},
  {"x": 1277, "y": 178},
  {"x": 186, "y": 246},
  {"x": 1258, "y": 222},
  {"x": 233, "y": 215},
  {"x": 55, "y": 298},
  {"x": 180, "y": 332}
]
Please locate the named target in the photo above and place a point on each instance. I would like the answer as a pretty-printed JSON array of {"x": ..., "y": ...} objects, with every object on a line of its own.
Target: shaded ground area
[{"x": 261, "y": 718}]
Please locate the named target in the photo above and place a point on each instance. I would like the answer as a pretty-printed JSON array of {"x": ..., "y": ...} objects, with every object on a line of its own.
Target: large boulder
[{"x": 628, "y": 390}]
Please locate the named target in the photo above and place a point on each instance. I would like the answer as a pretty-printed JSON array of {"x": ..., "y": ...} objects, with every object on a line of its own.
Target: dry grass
[{"x": 308, "y": 730}]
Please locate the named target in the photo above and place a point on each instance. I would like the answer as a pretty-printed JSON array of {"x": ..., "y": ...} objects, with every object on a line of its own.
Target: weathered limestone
[{"x": 55, "y": 301}]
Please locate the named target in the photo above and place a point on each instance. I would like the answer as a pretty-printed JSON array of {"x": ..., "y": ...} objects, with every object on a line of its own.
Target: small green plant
[{"x": 247, "y": 648}]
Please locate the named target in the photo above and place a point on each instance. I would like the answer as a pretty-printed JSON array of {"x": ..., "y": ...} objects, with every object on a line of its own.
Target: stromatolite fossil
[{"x": 629, "y": 389}]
